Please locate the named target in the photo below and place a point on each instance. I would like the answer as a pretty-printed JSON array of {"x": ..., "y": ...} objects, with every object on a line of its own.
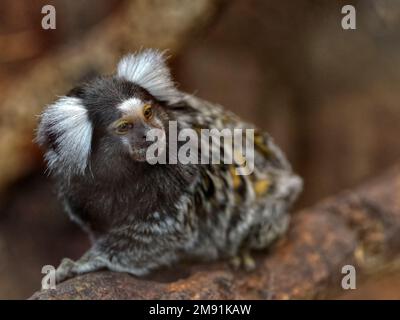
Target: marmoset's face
[
  {"x": 123, "y": 116},
  {"x": 133, "y": 128}
]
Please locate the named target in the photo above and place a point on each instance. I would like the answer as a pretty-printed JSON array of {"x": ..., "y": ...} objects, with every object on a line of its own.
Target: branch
[
  {"x": 136, "y": 24},
  {"x": 359, "y": 227}
]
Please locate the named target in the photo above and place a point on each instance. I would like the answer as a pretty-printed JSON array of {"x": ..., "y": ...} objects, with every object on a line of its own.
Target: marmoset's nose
[
  {"x": 139, "y": 131},
  {"x": 139, "y": 134}
]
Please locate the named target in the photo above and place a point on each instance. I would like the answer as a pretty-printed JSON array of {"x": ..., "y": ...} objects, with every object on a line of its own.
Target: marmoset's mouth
[{"x": 139, "y": 154}]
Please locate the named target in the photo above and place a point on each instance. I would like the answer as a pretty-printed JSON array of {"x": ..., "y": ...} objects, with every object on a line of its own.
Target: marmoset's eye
[
  {"x": 123, "y": 127},
  {"x": 147, "y": 111}
]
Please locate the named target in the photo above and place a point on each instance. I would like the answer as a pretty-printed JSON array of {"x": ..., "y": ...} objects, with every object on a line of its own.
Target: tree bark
[{"x": 360, "y": 227}]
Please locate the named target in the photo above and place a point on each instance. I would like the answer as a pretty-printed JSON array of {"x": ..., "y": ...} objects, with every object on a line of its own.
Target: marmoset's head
[{"x": 109, "y": 117}]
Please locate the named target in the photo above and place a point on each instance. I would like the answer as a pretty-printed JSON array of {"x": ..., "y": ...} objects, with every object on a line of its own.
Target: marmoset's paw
[
  {"x": 65, "y": 270},
  {"x": 243, "y": 261}
]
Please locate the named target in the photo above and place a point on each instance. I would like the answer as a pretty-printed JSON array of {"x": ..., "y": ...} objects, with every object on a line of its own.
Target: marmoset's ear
[
  {"x": 66, "y": 131},
  {"x": 149, "y": 70}
]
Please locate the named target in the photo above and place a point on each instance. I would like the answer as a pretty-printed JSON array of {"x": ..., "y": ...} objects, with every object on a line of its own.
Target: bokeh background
[{"x": 330, "y": 98}]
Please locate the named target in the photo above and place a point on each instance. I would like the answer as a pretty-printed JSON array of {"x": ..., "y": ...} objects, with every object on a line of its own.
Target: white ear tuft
[
  {"x": 66, "y": 131},
  {"x": 148, "y": 69}
]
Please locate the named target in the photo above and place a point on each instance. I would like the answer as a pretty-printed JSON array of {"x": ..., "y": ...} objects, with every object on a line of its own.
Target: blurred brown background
[{"x": 328, "y": 96}]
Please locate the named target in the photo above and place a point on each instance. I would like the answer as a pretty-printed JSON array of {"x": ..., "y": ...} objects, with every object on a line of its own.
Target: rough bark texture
[
  {"x": 135, "y": 24},
  {"x": 359, "y": 227}
]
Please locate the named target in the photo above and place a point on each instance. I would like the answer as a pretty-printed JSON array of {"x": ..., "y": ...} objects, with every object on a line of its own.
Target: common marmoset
[{"x": 141, "y": 216}]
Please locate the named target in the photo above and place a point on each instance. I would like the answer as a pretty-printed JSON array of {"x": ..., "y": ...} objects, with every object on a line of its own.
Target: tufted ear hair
[
  {"x": 66, "y": 132},
  {"x": 149, "y": 70}
]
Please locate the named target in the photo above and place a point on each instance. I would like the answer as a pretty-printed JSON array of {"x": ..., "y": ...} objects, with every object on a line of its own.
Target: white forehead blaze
[
  {"x": 66, "y": 123},
  {"x": 131, "y": 106},
  {"x": 148, "y": 69}
]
